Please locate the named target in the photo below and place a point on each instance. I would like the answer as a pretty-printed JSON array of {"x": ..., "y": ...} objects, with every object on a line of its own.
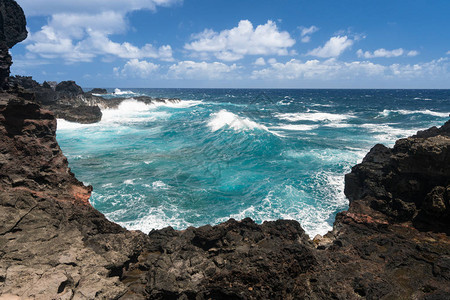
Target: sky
[{"x": 237, "y": 43}]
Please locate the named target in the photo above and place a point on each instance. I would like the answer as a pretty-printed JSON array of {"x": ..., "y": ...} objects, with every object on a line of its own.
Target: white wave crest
[
  {"x": 384, "y": 133},
  {"x": 295, "y": 127},
  {"x": 119, "y": 92},
  {"x": 156, "y": 218},
  {"x": 387, "y": 112},
  {"x": 66, "y": 125},
  {"x": 313, "y": 116},
  {"x": 178, "y": 104},
  {"x": 225, "y": 118},
  {"x": 159, "y": 185}
]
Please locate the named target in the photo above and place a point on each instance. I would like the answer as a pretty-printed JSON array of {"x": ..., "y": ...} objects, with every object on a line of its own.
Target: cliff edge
[{"x": 392, "y": 243}]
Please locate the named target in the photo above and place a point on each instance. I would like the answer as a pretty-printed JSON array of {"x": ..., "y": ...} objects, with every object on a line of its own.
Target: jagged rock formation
[
  {"x": 68, "y": 101},
  {"x": 53, "y": 244},
  {"x": 98, "y": 91},
  {"x": 12, "y": 31},
  {"x": 392, "y": 243}
]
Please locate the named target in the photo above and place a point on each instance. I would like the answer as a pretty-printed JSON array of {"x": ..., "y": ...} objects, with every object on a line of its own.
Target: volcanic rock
[
  {"x": 12, "y": 31},
  {"x": 98, "y": 91}
]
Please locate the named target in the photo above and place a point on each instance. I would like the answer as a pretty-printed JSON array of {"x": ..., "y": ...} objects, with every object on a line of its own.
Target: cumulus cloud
[
  {"x": 386, "y": 53},
  {"x": 201, "y": 70},
  {"x": 306, "y": 33},
  {"x": 136, "y": 68},
  {"x": 334, "y": 47},
  {"x": 233, "y": 44},
  {"x": 315, "y": 69},
  {"x": 76, "y": 32},
  {"x": 260, "y": 62},
  {"x": 448, "y": 52},
  {"x": 332, "y": 68}
]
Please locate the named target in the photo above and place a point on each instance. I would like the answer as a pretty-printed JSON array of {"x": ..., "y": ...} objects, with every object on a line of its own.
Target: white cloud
[
  {"x": 50, "y": 7},
  {"x": 333, "y": 47},
  {"x": 448, "y": 52},
  {"x": 386, "y": 53},
  {"x": 201, "y": 70},
  {"x": 332, "y": 69},
  {"x": 306, "y": 33},
  {"x": 80, "y": 30},
  {"x": 136, "y": 68},
  {"x": 235, "y": 43},
  {"x": 315, "y": 69},
  {"x": 412, "y": 53},
  {"x": 260, "y": 62},
  {"x": 437, "y": 68}
]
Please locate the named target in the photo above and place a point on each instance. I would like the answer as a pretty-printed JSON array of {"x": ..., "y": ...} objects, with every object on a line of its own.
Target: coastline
[
  {"x": 392, "y": 243},
  {"x": 80, "y": 254}
]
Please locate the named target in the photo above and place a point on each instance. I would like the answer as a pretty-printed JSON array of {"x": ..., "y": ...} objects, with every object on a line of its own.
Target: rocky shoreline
[
  {"x": 392, "y": 243},
  {"x": 68, "y": 101}
]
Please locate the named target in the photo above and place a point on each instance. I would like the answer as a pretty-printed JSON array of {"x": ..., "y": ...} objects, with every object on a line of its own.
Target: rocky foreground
[{"x": 392, "y": 243}]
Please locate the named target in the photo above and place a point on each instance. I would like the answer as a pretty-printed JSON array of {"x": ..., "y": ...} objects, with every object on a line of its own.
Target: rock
[
  {"x": 392, "y": 243},
  {"x": 98, "y": 91},
  {"x": 377, "y": 249},
  {"x": 68, "y": 89},
  {"x": 12, "y": 31},
  {"x": 66, "y": 100},
  {"x": 53, "y": 243},
  {"x": 397, "y": 181}
]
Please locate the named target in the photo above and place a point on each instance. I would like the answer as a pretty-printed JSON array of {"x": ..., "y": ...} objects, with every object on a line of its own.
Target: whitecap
[
  {"x": 155, "y": 218},
  {"x": 66, "y": 125},
  {"x": 295, "y": 127},
  {"x": 387, "y": 112},
  {"x": 225, "y": 118},
  {"x": 159, "y": 185},
  {"x": 313, "y": 116},
  {"x": 384, "y": 133},
  {"x": 119, "y": 92},
  {"x": 178, "y": 104},
  {"x": 129, "y": 181}
]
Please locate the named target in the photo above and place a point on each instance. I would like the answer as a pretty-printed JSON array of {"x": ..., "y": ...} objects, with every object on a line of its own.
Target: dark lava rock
[
  {"x": 12, "y": 31},
  {"x": 98, "y": 91},
  {"x": 53, "y": 243},
  {"x": 392, "y": 243},
  {"x": 66, "y": 100},
  {"x": 401, "y": 182},
  {"x": 68, "y": 89}
]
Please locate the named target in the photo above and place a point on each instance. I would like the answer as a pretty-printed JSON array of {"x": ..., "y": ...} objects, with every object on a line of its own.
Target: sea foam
[
  {"x": 387, "y": 112},
  {"x": 225, "y": 118},
  {"x": 313, "y": 116}
]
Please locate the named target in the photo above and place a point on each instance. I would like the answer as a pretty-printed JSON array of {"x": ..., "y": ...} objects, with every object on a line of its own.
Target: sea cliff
[{"x": 392, "y": 242}]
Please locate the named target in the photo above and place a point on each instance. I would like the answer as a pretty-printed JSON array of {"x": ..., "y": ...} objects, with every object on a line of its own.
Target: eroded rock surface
[
  {"x": 68, "y": 101},
  {"x": 53, "y": 243},
  {"x": 12, "y": 31},
  {"x": 392, "y": 243}
]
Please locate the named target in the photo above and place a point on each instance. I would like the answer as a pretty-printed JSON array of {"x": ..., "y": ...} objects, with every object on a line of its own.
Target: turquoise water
[{"x": 220, "y": 154}]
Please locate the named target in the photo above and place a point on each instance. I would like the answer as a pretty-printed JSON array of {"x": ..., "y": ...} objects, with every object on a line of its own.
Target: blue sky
[{"x": 238, "y": 44}]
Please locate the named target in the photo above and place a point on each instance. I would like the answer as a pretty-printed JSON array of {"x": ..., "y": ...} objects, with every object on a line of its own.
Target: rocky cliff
[
  {"x": 55, "y": 245},
  {"x": 392, "y": 243},
  {"x": 12, "y": 31}
]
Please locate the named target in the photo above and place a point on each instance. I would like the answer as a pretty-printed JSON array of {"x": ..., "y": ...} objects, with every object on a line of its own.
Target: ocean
[{"x": 235, "y": 153}]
